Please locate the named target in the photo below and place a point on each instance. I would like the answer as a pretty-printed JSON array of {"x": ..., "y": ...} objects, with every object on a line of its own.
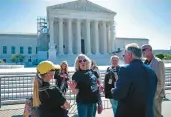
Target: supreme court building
[
  {"x": 75, "y": 27},
  {"x": 80, "y": 27}
]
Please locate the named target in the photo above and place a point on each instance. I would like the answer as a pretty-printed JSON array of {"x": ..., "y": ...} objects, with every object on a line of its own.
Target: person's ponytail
[{"x": 36, "y": 85}]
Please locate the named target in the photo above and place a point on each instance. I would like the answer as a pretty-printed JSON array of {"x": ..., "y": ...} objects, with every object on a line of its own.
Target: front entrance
[{"x": 82, "y": 46}]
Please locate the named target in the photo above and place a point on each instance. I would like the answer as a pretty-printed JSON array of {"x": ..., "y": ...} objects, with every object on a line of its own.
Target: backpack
[{"x": 29, "y": 110}]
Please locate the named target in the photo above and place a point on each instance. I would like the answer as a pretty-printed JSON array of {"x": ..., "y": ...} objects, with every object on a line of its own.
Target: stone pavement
[
  {"x": 166, "y": 111},
  {"x": 16, "y": 110},
  {"x": 166, "y": 106},
  {"x": 108, "y": 112}
]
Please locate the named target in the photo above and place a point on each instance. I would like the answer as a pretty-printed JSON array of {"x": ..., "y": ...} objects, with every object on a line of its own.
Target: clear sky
[{"x": 149, "y": 19}]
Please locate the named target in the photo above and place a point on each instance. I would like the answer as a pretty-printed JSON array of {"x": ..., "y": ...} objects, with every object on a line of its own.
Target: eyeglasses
[
  {"x": 83, "y": 60},
  {"x": 144, "y": 49}
]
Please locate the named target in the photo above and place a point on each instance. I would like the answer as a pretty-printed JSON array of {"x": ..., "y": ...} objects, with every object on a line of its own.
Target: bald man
[{"x": 158, "y": 66}]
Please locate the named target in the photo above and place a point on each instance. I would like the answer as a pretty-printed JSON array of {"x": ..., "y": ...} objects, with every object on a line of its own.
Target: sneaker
[{"x": 100, "y": 108}]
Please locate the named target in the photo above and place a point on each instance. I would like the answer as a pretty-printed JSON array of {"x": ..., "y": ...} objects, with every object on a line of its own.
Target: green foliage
[
  {"x": 161, "y": 56},
  {"x": 167, "y": 57},
  {"x": 17, "y": 58},
  {"x": 164, "y": 56}
]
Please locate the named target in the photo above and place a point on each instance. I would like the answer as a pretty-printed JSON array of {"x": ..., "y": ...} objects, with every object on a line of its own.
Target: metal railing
[{"x": 16, "y": 87}]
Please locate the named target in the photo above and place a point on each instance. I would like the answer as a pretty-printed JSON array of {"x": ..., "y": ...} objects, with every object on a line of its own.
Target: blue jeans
[
  {"x": 85, "y": 110},
  {"x": 114, "y": 105}
]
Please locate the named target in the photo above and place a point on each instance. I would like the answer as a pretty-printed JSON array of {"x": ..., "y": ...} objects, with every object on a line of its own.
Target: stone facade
[
  {"x": 120, "y": 42},
  {"x": 80, "y": 27},
  {"x": 74, "y": 27},
  {"x": 25, "y": 44}
]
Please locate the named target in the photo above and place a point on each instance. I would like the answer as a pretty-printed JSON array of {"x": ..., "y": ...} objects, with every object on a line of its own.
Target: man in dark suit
[{"x": 135, "y": 87}]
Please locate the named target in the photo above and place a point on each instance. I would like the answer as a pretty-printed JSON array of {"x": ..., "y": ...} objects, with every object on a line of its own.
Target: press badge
[{"x": 110, "y": 81}]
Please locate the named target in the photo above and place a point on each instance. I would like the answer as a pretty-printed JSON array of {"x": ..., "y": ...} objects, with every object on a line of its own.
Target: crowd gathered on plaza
[{"x": 135, "y": 89}]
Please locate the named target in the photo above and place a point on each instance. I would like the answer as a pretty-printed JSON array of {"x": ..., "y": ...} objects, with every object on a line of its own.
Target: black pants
[{"x": 99, "y": 103}]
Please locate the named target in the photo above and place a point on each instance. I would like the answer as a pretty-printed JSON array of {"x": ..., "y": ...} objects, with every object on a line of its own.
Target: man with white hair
[
  {"x": 158, "y": 66},
  {"x": 136, "y": 86}
]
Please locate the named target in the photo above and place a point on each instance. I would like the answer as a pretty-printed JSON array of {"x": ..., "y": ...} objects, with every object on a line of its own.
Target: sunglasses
[
  {"x": 144, "y": 49},
  {"x": 84, "y": 60}
]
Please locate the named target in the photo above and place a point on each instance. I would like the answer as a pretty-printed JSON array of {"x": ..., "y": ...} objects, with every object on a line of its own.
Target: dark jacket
[
  {"x": 51, "y": 99},
  {"x": 135, "y": 90},
  {"x": 61, "y": 82},
  {"x": 108, "y": 85}
]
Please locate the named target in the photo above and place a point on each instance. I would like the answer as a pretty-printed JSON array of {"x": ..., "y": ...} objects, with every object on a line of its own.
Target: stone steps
[{"x": 100, "y": 58}]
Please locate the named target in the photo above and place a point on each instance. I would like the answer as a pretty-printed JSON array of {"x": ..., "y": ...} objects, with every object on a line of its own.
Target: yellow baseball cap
[{"x": 45, "y": 66}]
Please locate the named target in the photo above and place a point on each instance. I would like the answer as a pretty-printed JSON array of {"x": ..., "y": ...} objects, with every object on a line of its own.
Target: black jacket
[
  {"x": 109, "y": 81},
  {"x": 60, "y": 82},
  {"x": 51, "y": 99}
]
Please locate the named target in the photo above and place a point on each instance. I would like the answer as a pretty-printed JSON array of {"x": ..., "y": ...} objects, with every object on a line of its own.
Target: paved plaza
[
  {"x": 166, "y": 110},
  {"x": 17, "y": 110},
  {"x": 166, "y": 105}
]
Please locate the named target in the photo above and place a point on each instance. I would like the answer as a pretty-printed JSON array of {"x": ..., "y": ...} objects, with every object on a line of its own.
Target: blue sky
[{"x": 135, "y": 18}]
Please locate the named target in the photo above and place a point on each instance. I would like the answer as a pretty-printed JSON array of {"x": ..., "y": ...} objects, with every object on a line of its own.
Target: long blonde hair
[
  {"x": 64, "y": 62},
  {"x": 36, "y": 85},
  {"x": 93, "y": 63},
  {"x": 76, "y": 64}
]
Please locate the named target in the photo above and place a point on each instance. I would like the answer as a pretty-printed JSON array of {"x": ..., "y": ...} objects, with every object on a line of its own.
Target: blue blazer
[{"x": 135, "y": 90}]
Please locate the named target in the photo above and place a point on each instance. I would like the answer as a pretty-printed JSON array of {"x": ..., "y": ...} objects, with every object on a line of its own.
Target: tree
[
  {"x": 167, "y": 57},
  {"x": 161, "y": 56},
  {"x": 17, "y": 58}
]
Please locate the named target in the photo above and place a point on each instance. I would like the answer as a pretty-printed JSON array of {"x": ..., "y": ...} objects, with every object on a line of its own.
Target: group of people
[
  {"x": 134, "y": 90},
  {"x": 140, "y": 86}
]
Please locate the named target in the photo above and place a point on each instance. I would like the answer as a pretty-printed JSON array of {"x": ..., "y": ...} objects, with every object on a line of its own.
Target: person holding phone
[{"x": 111, "y": 77}]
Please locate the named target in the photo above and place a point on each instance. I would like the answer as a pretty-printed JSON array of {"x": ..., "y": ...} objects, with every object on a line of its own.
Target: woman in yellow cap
[{"x": 48, "y": 99}]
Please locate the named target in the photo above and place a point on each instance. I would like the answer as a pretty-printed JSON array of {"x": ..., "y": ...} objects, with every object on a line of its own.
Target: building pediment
[{"x": 82, "y": 5}]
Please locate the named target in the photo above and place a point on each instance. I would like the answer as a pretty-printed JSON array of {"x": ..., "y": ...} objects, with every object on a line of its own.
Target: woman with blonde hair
[
  {"x": 94, "y": 67},
  {"x": 84, "y": 84},
  {"x": 48, "y": 99},
  {"x": 62, "y": 77}
]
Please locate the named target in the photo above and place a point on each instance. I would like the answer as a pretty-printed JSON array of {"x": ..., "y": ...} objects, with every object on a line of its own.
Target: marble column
[
  {"x": 60, "y": 49},
  {"x": 52, "y": 50},
  {"x": 70, "y": 48},
  {"x": 88, "y": 44},
  {"x": 112, "y": 35},
  {"x": 104, "y": 37},
  {"x": 108, "y": 38},
  {"x": 78, "y": 36},
  {"x": 96, "y": 36}
]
